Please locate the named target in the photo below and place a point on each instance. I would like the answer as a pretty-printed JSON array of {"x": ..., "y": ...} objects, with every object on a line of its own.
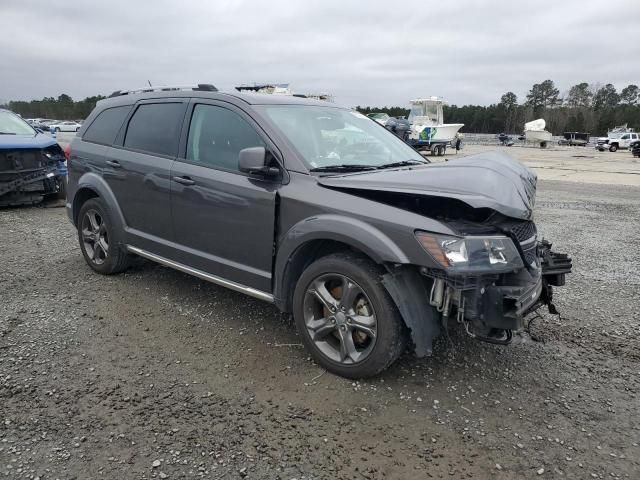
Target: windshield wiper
[
  {"x": 7, "y": 133},
  {"x": 403, "y": 163},
  {"x": 342, "y": 168}
]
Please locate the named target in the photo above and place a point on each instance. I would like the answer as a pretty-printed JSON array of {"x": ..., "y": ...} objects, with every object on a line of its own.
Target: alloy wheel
[
  {"x": 95, "y": 237},
  {"x": 340, "y": 318}
]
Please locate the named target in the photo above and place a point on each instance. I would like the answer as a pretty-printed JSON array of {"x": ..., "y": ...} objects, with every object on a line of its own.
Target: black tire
[
  {"x": 391, "y": 334},
  {"x": 613, "y": 148},
  {"x": 57, "y": 130},
  {"x": 115, "y": 259}
]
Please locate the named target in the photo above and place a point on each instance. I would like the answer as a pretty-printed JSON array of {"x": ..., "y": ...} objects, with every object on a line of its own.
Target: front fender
[{"x": 355, "y": 233}]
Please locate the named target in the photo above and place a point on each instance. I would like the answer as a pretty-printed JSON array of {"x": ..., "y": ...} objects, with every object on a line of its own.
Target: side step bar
[{"x": 259, "y": 294}]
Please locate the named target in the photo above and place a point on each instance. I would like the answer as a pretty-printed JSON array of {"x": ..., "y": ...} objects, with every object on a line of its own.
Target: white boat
[
  {"x": 269, "y": 88},
  {"x": 534, "y": 132},
  {"x": 282, "y": 89},
  {"x": 427, "y": 122}
]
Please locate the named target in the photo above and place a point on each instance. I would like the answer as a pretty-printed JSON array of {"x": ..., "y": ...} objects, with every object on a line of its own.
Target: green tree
[
  {"x": 630, "y": 94},
  {"x": 606, "y": 98},
  {"x": 543, "y": 95},
  {"x": 579, "y": 95},
  {"x": 509, "y": 100}
]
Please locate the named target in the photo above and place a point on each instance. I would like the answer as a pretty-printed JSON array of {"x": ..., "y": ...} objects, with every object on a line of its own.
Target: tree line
[
  {"x": 583, "y": 108},
  {"x": 61, "y": 108}
]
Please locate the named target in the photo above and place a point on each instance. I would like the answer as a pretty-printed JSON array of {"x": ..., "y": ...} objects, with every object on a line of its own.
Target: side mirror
[{"x": 254, "y": 162}]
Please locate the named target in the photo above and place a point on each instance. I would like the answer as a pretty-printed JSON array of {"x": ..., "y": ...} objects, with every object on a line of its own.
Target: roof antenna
[{"x": 149, "y": 82}]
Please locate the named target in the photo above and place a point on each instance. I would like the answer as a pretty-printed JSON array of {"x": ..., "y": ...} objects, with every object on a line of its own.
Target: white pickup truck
[{"x": 617, "y": 141}]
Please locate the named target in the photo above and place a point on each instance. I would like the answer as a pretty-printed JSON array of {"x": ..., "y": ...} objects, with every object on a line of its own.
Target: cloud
[{"x": 363, "y": 52}]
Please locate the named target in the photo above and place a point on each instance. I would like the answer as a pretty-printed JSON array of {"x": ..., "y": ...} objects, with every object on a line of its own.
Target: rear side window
[
  {"x": 155, "y": 128},
  {"x": 106, "y": 125},
  {"x": 217, "y": 135}
]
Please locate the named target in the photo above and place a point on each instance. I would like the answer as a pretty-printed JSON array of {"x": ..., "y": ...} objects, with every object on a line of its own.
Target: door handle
[
  {"x": 114, "y": 163},
  {"x": 184, "y": 180}
]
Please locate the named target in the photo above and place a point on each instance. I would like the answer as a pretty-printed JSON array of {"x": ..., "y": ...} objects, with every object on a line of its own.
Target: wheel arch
[
  {"x": 313, "y": 238},
  {"x": 90, "y": 186}
]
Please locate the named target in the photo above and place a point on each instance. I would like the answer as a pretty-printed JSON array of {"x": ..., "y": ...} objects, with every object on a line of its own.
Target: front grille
[{"x": 525, "y": 233}]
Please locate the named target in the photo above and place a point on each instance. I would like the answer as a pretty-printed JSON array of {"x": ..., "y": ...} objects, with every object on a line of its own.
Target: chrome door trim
[{"x": 267, "y": 297}]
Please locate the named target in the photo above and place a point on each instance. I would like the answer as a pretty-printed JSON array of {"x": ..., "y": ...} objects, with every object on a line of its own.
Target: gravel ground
[{"x": 155, "y": 374}]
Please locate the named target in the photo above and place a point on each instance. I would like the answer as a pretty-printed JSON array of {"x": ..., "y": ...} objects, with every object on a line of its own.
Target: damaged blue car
[{"x": 32, "y": 164}]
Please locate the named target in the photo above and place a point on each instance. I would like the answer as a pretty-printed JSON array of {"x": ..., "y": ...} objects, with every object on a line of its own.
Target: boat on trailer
[
  {"x": 534, "y": 132},
  {"x": 427, "y": 127}
]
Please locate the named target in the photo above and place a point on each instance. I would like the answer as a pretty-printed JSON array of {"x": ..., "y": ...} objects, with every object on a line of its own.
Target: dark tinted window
[
  {"x": 106, "y": 125},
  {"x": 217, "y": 135},
  {"x": 155, "y": 128}
]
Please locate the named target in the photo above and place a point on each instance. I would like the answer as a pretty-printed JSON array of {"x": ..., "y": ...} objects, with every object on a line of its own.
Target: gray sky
[{"x": 363, "y": 52}]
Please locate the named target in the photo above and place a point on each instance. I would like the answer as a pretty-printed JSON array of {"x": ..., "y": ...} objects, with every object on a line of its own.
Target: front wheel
[
  {"x": 346, "y": 318},
  {"x": 57, "y": 130},
  {"x": 96, "y": 238},
  {"x": 613, "y": 148}
]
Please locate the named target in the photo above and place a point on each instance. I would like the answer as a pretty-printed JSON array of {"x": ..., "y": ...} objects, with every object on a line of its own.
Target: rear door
[
  {"x": 138, "y": 167},
  {"x": 223, "y": 219}
]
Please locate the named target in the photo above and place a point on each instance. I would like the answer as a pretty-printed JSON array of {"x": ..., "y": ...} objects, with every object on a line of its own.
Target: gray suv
[{"x": 314, "y": 208}]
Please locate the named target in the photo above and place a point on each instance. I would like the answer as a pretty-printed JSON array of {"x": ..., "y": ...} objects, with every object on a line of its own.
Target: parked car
[
  {"x": 35, "y": 123},
  {"x": 312, "y": 207},
  {"x": 32, "y": 165},
  {"x": 68, "y": 126},
  {"x": 381, "y": 118},
  {"x": 579, "y": 139},
  {"x": 635, "y": 148}
]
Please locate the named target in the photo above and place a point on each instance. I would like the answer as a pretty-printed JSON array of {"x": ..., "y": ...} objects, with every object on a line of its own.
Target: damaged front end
[
  {"x": 27, "y": 175},
  {"x": 491, "y": 282}
]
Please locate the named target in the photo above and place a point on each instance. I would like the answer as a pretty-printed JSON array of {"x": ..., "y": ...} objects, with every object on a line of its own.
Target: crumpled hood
[
  {"x": 488, "y": 180},
  {"x": 26, "y": 141}
]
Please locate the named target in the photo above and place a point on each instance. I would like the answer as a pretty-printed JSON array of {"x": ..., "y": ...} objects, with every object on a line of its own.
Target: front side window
[
  {"x": 106, "y": 125},
  {"x": 217, "y": 135},
  {"x": 155, "y": 128},
  {"x": 325, "y": 137}
]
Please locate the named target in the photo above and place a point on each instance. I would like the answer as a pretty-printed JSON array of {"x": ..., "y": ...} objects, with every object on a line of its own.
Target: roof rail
[{"x": 204, "y": 87}]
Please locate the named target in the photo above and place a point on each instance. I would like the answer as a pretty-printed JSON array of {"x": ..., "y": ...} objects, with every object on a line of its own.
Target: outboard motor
[{"x": 399, "y": 126}]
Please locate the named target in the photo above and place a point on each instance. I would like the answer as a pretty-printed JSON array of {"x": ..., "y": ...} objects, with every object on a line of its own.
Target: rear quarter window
[
  {"x": 155, "y": 128},
  {"x": 106, "y": 125}
]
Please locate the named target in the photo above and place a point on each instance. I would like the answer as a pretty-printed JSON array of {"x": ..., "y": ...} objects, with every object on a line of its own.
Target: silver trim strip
[{"x": 267, "y": 297}]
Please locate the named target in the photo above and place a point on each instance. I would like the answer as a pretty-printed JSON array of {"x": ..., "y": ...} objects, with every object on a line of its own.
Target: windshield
[
  {"x": 326, "y": 136},
  {"x": 12, "y": 124}
]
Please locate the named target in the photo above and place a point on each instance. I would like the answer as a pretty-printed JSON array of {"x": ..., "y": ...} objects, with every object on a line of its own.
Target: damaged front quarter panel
[{"x": 407, "y": 288}]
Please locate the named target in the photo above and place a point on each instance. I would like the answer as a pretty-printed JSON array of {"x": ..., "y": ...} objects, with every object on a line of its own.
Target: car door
[
  {"x": 624, "y": 141},
  {"x": 223, "y": 219},
  {"x": 137, "y": 170}
]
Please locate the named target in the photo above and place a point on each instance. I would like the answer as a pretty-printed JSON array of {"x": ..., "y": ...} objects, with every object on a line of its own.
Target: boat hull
[
  {"x": 537, "y": 136},
  {"x": 435, "y": 133}
]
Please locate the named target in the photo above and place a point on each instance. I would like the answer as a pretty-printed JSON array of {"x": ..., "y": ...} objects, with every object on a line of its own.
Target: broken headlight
[{"x": 491, "y": 254}]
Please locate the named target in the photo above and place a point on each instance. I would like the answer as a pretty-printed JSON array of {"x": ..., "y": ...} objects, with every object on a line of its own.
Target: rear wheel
[
  {"x": 346, "y": 318},
  {"x": 95, "y": 234},
  {"x": 57, "y": 130}
]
